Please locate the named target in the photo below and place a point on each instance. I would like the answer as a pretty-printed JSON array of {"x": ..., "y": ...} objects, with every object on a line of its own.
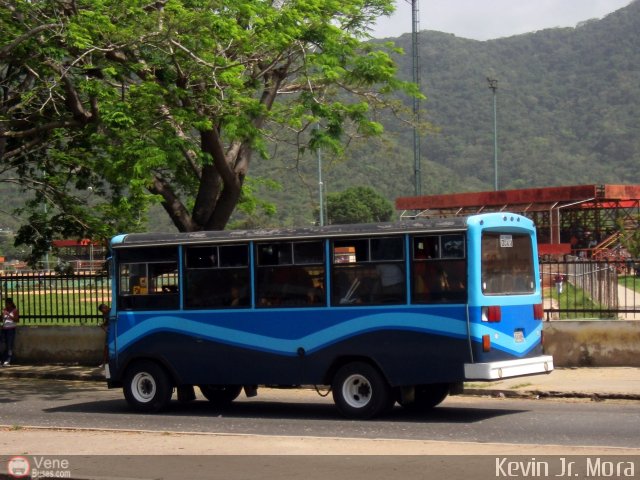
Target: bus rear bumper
[{"x": 508, "y": 368}]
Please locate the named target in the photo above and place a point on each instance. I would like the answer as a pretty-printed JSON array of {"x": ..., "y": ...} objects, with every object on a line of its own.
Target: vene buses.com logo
[{"x": 18, "y": 467}]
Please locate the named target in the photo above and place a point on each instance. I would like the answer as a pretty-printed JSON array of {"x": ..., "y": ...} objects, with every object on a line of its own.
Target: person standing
[
  {"x": 559, "y": 279},
  {"x": 10, "y": 317},
  {"x": 105, "y": 310}
]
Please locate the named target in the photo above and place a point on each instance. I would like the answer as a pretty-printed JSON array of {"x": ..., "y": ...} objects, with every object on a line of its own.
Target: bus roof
[
  {"x": 232, "y": 236},
  {"x": 459, "y": 223}
]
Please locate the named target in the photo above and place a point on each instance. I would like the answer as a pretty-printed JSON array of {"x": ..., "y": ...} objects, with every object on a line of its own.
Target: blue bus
[{"x": 383, "y": 313}]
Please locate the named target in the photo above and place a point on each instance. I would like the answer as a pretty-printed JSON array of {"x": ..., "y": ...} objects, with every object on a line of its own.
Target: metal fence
[
  {"x": 582, "y": 288},
  {"x": 589, "y": 289},
  {"x": 50, "y": 299}
]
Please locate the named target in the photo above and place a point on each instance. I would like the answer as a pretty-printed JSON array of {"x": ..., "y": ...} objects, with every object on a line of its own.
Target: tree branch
[
  {"x": 6, "y": 50},
  {"x": 173, "y": 205},
  {"x": 189, "y": 155},
  {"x": 42, "y": 129}
]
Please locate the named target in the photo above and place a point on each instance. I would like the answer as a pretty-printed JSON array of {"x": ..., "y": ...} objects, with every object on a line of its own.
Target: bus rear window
[{"x": 507, "y": 264}]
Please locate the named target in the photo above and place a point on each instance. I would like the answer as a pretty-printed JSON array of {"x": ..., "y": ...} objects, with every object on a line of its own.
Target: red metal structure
[
  {"x": 582, "y": 218},
  {"x": 82, "y": 254}
]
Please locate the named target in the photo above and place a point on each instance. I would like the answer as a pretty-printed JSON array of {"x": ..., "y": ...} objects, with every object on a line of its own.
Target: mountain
[{"x": 568, "y": 103}]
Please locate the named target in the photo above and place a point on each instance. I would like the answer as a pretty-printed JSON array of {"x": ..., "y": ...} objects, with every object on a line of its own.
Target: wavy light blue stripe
[{"x": 311, "y": 343}]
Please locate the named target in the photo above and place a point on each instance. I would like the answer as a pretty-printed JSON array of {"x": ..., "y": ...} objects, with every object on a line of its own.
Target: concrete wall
[
  {"x": 66, "y": 345},
  {"x": 597, "y": 343},
  {"x": 572, "y": 343}
]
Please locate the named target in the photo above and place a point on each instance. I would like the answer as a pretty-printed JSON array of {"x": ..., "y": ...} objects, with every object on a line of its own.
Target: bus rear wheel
[
  {"x": 428, "y": 396},
  {"x": 360, "y": 391},
  {"x": 147, "y": 387},
  {"x": 220, "y": 395}
]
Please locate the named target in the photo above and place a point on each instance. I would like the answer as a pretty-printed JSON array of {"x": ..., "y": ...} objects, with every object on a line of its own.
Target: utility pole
[
  {"x": 415, "y": 24},
  {"x": 493, "y": 86}
]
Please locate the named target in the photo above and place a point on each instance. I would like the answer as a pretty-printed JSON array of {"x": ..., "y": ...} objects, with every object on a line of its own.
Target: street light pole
[{"x": 493, "y": 85}]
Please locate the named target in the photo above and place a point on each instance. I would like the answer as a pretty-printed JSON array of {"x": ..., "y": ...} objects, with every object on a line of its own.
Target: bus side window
[
  {"x": 149, "y": 286},
  {"x": 148, "y": 278},
  {"x": 217, "y": 276},
  {"x": 368, "y": 271},
  {"x": 387, "y": 254},
  {"x": 438, "y": 269},
  {"x": 290, "y": 274},
  {"x": 348, "y": 271}
]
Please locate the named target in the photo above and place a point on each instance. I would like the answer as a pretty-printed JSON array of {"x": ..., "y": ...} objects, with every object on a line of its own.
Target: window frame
[
  {"x": 442, "y": 277},
  {"x": 507, "y": 276},
  {"x": 231, "y": 292},
  {"x": 372, "y": 279},
  {"x": 297, "y": 286}
]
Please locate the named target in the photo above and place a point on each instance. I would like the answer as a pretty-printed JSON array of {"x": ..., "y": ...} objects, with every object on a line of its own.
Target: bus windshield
[{"x": 507, "y": 264}]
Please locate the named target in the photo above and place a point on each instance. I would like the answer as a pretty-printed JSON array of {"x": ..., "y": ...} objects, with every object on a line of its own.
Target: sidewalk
[{"x": 594, "y": 383}]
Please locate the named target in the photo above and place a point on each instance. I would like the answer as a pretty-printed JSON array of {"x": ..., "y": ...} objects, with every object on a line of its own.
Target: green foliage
[
  {"x": 358, "y": 205},
  {"x": 167, "y": 102},
  {"x": 629, "y": 281}
]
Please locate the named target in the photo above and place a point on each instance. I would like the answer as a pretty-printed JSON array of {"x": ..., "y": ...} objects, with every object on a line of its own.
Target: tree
[
  {"x": 358, "y": 205},
  {"x": 171, "y": 100}
]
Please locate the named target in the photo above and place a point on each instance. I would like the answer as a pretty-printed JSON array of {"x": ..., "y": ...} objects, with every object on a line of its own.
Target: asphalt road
[
  {"x": 83, "y": 430},
  {"x": 303, "y": 413}
]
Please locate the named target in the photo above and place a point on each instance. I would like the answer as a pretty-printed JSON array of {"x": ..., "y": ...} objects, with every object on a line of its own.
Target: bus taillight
[
  {"x": 486, "y": 343},
  {"x": 538, "y": 311},
  {"x": 491, "y": 314}
]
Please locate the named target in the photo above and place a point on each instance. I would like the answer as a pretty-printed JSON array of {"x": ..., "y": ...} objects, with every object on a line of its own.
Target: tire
[
  {"x": 361, "y": 392},
  {"x": 147, "y": 387},
  {"x": 428, "y": 396},
  {"x": 220, "y": 395}
]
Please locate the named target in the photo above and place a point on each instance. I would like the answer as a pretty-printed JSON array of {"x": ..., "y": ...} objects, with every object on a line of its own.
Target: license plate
[{"x": 518, "y": 336}]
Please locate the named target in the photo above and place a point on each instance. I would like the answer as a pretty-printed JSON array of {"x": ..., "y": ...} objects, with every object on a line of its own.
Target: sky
[{"x": 488, "y": 19}]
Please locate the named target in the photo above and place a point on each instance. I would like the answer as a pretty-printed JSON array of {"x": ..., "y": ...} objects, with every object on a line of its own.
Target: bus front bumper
[{"x": 508, "y": 368}]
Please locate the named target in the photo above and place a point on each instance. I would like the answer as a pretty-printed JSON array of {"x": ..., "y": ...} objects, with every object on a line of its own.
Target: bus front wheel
[
  {"x": 360, "y": 391},
  {"x": 147, "y": 387},
  {"x": 220, "y": 395}
]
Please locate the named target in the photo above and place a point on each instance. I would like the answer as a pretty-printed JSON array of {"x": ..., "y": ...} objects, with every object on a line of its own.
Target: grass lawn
[
  {"x": 573, "y": 298},
  {"x": 629, "y": 281},
  {"x": 59, "y": 308}
]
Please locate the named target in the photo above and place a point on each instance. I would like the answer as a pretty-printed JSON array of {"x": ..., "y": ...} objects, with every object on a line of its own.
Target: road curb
[
  {"x": 83, "y": 377},
  {"x": 537, "y": 394}
]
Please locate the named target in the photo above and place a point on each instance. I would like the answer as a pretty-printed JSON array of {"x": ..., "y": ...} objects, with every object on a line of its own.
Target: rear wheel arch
[{"x": 340, "y": 362}]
